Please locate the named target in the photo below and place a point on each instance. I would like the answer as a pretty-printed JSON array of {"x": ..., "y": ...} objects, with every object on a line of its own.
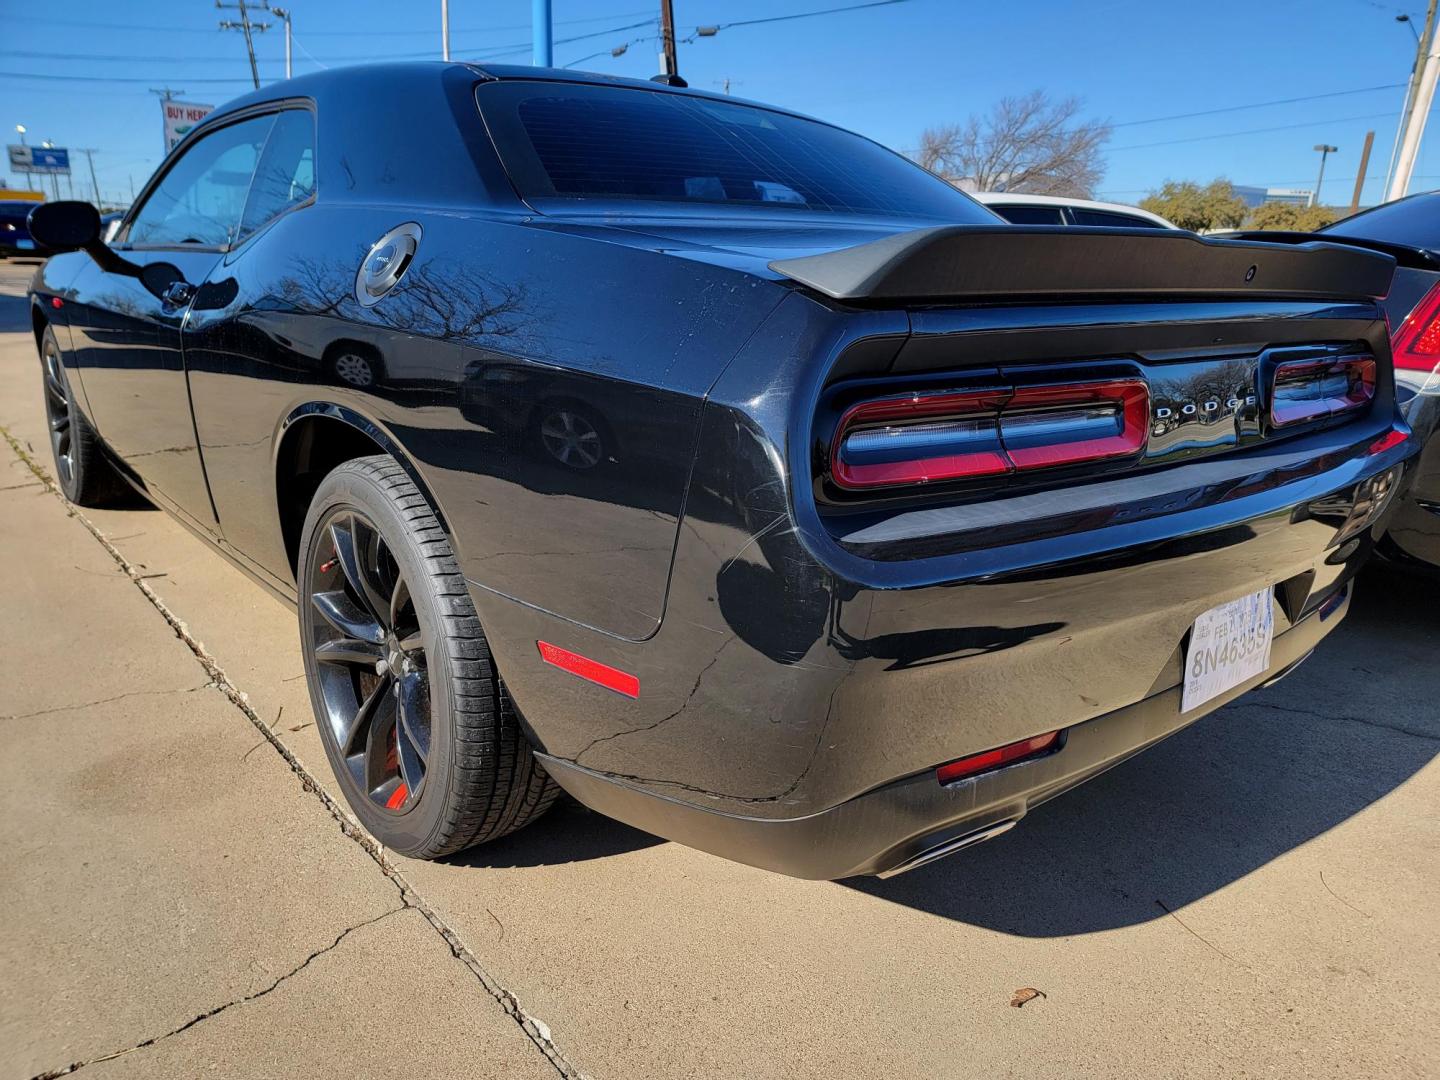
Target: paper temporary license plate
[
  {"x": 25, "y": 245},
  {"x": 1229, "y": 644}
]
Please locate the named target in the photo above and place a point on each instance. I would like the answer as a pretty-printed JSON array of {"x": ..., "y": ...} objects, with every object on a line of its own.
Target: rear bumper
[{"x": 902, "y": 824}]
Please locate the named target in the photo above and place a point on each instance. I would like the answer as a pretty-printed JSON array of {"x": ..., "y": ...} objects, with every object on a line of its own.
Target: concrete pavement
[{"x": 1259, "y": 896}]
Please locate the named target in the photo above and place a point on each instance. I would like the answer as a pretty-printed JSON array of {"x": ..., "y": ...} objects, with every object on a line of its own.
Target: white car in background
[{"x": 1021, "y": 209}]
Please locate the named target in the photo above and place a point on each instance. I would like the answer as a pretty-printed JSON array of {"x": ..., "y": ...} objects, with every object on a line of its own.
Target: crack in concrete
[
  {"x": 75, "y": 1066},
  {"x": 106, "y": 701},
  {"x": 1400, "y": 729},
  {"x": 534, "y": 1028}
]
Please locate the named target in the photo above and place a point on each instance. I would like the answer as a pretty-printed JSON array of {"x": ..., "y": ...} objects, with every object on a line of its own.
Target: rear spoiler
[
  {"x": 1416, "y": 258},
  {"x": 1020, "y": 262}
]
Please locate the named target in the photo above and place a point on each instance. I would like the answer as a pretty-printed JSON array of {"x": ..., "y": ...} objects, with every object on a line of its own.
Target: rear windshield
[
  {"x": 607, "y": 143},
  {"x": 1414, "y": 222}
]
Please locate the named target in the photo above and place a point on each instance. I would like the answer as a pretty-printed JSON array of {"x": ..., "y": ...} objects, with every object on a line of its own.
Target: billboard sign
[
  {"x": 180, "y": 117},
  {"x": 49, "y": 160}
]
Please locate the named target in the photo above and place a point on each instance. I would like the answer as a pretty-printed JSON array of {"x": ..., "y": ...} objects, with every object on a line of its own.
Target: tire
[
  {"x": 84, "y": 473},
  {"x": 440, "y": 770}
]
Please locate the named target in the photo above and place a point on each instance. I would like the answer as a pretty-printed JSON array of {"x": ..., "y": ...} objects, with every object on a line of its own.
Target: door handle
[{"x": 178, "y": 293}]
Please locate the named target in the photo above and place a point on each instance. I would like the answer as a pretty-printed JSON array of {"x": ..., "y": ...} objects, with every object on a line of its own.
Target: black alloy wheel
[
  {"x": 57, "y": 409},
  {"x": 374, "y": 678},
  {"x": 84, "y": 473},
  {"x": 421, "y": 734}
]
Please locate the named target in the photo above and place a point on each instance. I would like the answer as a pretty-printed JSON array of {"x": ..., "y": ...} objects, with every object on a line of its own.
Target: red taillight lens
[
  {"x": 1310, "y": 389},
  {"x": 923, "y": 438},
  {"x": 1416, "y": 343},
  {"x": 1046, "y": 426},
  {"x": 993, "y": 759},
  {"x": 919, "y": 438}
]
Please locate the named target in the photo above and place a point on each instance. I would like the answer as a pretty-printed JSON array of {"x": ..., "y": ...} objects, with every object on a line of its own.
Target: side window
[
  {"x": 1029, "y": 215},
  {"x": 286, "y": 174},
  {"x": 202, "y": 196},
  {"x": 1113, "y": 221}
]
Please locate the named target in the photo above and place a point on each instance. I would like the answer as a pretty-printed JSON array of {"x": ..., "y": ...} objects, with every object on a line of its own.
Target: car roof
[
  {"x": 1017, "y": 198},
  {"x": 400, "y": 72}
]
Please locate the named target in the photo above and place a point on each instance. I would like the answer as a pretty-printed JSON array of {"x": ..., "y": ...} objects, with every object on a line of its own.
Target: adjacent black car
[
  {"x": 1409, "y": 231},
  {"x": 712, "y": 463},
  {"x": 15, "y": 238}
]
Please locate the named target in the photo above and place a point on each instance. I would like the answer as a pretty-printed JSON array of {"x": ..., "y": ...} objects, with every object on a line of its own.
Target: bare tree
[{"x": 1029, "y": 144}]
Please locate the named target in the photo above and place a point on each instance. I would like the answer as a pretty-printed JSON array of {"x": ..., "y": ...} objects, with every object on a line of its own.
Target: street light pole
[
  {"x": 284, "y": 13},
  {"x": 1325, "y": 151},
  {"x": 1407, "y": 107},
  {"x": 1419, "y": 113},
  {"x": 444, "y": 29},
  {"x": 541, "y": 34}
]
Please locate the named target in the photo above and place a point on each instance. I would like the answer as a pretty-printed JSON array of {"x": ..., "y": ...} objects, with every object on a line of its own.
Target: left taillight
[
  {"x": 929, "y": 438},
  {"x": 1416, "y": 342}
]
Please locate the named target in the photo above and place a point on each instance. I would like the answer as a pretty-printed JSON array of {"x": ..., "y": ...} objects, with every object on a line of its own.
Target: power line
[
  {"x": 72, "y": 24},
  {"x": 1259, "y": 105},
  {"x": 1249, "y": 131},
  {"x": 103, "y": 78}
]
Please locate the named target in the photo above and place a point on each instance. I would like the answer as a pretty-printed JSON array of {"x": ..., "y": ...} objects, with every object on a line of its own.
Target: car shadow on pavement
[
  {"x": 568, "y": 833},
  {"x": 1221, "y": 798}
]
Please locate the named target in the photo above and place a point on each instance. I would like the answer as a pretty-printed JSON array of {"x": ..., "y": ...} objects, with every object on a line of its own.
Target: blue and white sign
[{"x": 50, "y": 160}]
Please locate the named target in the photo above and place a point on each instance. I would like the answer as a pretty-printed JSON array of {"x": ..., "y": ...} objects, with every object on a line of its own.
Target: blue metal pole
[{"x": 540, "y": 32}]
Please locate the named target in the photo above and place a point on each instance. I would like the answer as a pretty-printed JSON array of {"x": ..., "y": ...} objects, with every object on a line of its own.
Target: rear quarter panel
[{"x": 495, "y": 325}]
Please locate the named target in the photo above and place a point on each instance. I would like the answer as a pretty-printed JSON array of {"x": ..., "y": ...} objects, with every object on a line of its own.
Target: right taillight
[
  {"x": 1416, "y": 342},
  {"x": 1304, "y": 390},
  {"x": 927, "y": 438}
]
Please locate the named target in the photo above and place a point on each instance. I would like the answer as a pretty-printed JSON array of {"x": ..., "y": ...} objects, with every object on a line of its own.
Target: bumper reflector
[
  {"x": 993, "y": 759},
  {"x": 622, "y": 682}
]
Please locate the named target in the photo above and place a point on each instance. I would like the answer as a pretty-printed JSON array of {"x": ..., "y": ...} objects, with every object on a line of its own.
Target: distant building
[{"x": 1255, "y": 196}]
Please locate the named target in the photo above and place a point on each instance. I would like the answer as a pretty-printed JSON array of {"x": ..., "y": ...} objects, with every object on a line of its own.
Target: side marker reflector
[
  {"x": 1387, "y": 442},
  {"x": 622, "y": 682},
  {"x": 993, "y": 759}
]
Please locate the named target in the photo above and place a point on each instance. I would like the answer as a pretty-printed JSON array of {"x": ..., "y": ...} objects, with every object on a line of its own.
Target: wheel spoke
[
  {"x": 378, "y": 737},
  {"x": 350, "y": 651},
  {"x": 344, "y": 615},
  {"x": 348, "y": 550},
  {"x": 414, "y": 718},
  {"x": 60, "y": 422},
  {"x": 363, "y": 721},
  {"x": 399, "y": 599}
]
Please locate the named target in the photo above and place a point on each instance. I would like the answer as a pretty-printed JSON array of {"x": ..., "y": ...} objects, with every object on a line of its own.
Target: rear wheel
[
  {"x": 418, "y": 727},
  {"x": 84, "y": 473}
]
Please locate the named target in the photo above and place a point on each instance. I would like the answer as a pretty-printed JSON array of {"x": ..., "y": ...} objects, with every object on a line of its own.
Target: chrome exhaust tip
[{"x": 949, "y": 847}]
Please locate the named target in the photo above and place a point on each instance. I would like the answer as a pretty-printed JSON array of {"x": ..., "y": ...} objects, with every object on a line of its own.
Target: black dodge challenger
[{"x": 714, "y": 464}]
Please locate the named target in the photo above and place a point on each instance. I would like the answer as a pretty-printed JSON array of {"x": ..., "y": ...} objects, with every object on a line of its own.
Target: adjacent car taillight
[
  {"x": 1416, "y": 343},
  {"x": 925, "y": 438},
  {"x": 1310, "y": 389}
]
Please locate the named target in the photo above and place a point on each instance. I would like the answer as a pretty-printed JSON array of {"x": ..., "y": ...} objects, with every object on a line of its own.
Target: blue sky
[{"x": 887, "y": 72}]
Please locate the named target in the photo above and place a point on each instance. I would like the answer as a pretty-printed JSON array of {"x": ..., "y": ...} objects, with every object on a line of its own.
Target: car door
[{"x": 127, "y": 330}]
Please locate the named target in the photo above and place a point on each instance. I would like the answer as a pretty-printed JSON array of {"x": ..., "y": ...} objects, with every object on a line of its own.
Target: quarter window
[
  {"x": 1018, "y": 214},
  {"x": 286, "y": 173},
  {"x": 202, "y": 196}
]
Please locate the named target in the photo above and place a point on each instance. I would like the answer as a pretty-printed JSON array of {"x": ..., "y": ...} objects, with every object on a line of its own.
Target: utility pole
[
  {"x": 669, "y": 66},
  {"x": 1415, "y": 68},
  {"x": 541, "y": 34},
  {"x": 1360, "y": 176},
  {"x": 1325, "y": 151},
  {"x": 1420, "y": 104},
  {"x": 726, "y": 83},
  {"x": 246, "y": 26},
  {"x": 90, "y": 157},
  {"x": 284, "y": 13},
  {"x": 445, "y": 30}
]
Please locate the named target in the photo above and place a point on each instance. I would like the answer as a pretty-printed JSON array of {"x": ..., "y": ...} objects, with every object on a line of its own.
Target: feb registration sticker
[{"x": 1228, "y": 645}]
